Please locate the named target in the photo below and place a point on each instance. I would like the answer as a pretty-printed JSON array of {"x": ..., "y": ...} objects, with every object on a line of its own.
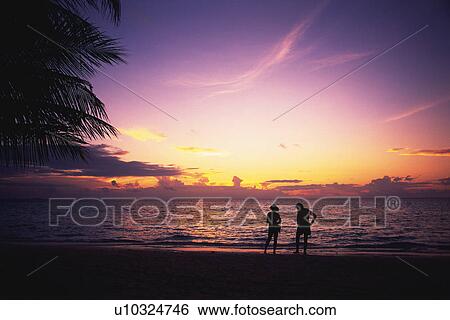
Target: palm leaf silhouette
[{"x": 47, "y": 106}]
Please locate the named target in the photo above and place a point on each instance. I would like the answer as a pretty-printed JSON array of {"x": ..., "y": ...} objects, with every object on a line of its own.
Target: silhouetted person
[
  {"x": 274, "y": 221},
  {"x": 303, "y": 226}
]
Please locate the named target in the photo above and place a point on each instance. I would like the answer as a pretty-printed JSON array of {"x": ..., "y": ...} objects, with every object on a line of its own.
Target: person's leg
[
  {"x": 305, "y": 243},
  {"x": 275, "y": 240},
  {"x": 297, "y": 240},
  {"x": 269, "y": 237}
]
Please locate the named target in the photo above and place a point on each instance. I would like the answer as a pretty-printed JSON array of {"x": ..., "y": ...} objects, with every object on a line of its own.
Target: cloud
[
  {"x": 416, "y": 109},
  {"x": 134, "y": 185},
  {"x": 280, "y": 52},
  {"x": 398, "y": 186},
  {"x": 387, "y": 185},
  {"x": 399, "y": 179},
  {"x": 202, "y": 181},
  {"x": 107, "y": 149},
  {"x": 267, "y": 183},
  {"x": 428, "y": 153},
  {"x": 287, "y": 146},
  {"x": 103, "y": 161},
  {"x": 200, "y": 151},
  {"x": 115, "y": 184},
  {"x": 444, "y": 181},
  {"x": 169, "y": 186},
  {"x": 237, "y": 182},
  {"x": 284, "y": 181},
  {"x": 395, "y": 149},
  {"x": 422, "y": 152},
  {"x": 338, "y": 59},
  {"x": 143, "y": 134},
  {"x": 312, "y": 187},
  {"x": 167, "y": 183}
]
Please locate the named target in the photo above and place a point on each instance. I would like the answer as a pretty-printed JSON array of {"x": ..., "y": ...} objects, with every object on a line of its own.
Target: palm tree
[{"x": 48, "y": 109}]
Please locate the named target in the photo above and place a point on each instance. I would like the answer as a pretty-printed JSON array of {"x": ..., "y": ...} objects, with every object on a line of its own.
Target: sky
[{"x": 225, "y": 72}]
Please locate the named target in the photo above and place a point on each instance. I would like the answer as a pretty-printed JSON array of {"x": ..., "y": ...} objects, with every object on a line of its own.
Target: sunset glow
[{"x": 225, "y": 71}]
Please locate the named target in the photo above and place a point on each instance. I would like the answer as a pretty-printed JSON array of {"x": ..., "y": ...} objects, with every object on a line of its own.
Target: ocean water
[{"x": 420, "y": 226}]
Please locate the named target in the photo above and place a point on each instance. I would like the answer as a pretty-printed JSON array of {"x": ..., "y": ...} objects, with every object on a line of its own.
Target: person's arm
[
  {"x": 314, "y": 217},
  {"x": 278, "y": 219}
]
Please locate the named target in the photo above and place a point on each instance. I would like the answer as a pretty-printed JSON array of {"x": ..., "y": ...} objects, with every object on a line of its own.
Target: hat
[{"x": 274, "y": 208}]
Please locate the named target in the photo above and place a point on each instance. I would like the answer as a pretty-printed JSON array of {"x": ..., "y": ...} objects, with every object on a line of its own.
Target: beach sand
[{"x": 94, "y": 272}]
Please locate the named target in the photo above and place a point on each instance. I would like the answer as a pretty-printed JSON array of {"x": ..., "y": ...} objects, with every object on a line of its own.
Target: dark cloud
[
  {"x": 300, "y": 187},
  {"x": 444, "y": 181},
  {"x": 321, "y": 189},
  {"x": 431, "y": 152},
  {"x": 237, "y": 181},
  {"x": 51, "y": 185},
  {"x": 399, "y": 179},
  {"x": 114, "y": 184},
  {"x": 169, "y": 184},
  {"x": 102, "y": 161},
  {"x": 400, "y": 186},
  {"x": 283, "y": 181},
  {"x": 387, "y": 185},
  {"x": 110, "y": 149},
  {"x": 396, "y": 149}
]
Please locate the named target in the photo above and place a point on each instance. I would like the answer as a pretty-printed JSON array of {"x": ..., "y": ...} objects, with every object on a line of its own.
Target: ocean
[{"x": 420, "y": 226}]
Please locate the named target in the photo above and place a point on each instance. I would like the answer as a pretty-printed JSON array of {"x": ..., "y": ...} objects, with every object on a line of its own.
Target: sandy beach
[{"x": 93, "y": 272}]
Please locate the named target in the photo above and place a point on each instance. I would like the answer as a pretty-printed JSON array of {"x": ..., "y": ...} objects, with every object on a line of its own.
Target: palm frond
[
  {"x": 111, "y": 8},
  {"x": 48, "y": 109}
]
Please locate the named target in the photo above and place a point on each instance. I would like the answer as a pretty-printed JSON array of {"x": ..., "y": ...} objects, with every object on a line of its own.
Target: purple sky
[{"x": 225, "y": 69}]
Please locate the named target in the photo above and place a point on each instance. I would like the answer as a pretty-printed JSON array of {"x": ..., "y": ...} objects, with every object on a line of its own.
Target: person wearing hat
[{"x": 274, "y": 221}]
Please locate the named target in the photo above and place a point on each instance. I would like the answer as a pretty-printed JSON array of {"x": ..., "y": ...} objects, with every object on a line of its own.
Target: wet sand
[{"x": 93, "y": 272}]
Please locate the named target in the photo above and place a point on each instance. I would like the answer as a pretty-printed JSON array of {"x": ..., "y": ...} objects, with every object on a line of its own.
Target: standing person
[
  {"x": 303, "y": 225},
  {"x": 274, "y": 221}
]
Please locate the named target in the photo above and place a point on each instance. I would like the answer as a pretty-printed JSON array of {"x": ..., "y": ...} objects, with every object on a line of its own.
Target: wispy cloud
[
  {"x": 338, "y": 59},
  {"x": 395, "y": 149},
  {"x": 143, "y": 134},
  {"x": 428, "y": 153},
  {"x": 267, "y": 183},
  {"x": 417, "y": 109},
  {"x": 284, "y": 181},
  {"x": 200, "y": 151},
  {"x": 280, "y": 52},
  {"x": 422, "y": 152}
]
